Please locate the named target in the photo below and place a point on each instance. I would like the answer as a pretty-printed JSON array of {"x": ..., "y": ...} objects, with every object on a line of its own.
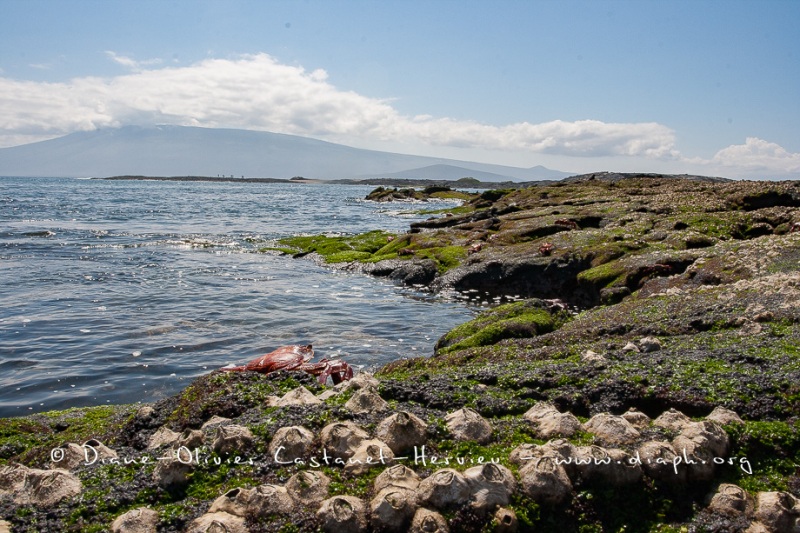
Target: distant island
[
  {"x": 391, "y": 182},
  {"x": 204, "y": 178},
  {"x": 467, "y": 182}
]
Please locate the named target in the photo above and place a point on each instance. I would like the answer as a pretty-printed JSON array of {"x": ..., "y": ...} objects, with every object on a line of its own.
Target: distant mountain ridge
[
  {"x": 183, "y": 151},
  {"x": 442, "y": 172}
]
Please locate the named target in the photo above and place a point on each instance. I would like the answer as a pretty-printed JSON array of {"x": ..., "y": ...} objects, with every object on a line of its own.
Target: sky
[{"x": 700, "y": 86}]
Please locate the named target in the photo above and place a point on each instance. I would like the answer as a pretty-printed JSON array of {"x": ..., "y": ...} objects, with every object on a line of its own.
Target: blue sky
[{"x": 707, "y": 87}]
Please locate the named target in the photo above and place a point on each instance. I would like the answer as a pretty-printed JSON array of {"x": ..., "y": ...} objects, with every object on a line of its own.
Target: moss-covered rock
[
  {"x": 515, "y": 320},
  {"x": 336, "y": 249},
  {"x": 643, "y": 227},
  {"x": 384, "y": 194}
]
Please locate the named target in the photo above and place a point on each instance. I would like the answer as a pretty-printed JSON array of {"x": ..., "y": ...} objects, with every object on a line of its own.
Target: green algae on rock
[
  {"x": 515, "y": 320},
  {"x": 382, "y": 194},
  {"x": 643, "y": 226},
  {"x": 760, "y": 459}
]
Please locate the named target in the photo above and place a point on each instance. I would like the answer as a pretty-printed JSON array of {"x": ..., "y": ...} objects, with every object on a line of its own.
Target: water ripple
[{"x": 144, "y": 286}]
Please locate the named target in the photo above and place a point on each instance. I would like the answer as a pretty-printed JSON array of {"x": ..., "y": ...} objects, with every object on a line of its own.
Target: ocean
[{"x": 125, "y": 291}]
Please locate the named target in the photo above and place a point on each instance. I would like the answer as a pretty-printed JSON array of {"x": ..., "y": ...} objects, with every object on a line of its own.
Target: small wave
[
  {"x": 151, "y": 332},
  {"x": 201, "y": 243},
  {"x": 17, "y": 363},
  {"x": 43, "y": 233}
]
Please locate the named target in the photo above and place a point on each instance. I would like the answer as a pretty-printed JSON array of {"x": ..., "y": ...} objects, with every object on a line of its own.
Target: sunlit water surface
[{"x": 124, "y": 291}]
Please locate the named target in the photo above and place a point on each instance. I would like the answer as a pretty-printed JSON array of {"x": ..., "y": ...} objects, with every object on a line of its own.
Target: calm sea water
[{"x": 124, "y": 291}]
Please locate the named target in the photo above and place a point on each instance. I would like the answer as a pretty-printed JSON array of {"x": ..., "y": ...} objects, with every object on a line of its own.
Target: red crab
[{"x": 296, "y": 358}]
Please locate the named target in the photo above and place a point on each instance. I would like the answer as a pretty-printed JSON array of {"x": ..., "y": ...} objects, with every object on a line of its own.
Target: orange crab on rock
[{"x": 296, "y": 357}]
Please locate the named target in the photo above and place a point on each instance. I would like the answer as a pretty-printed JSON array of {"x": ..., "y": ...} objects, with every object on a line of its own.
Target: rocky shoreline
[{"x": 644, "y": 377}]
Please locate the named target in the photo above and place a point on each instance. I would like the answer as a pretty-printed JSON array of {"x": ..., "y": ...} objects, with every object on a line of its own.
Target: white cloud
[
  {"x": 758, "y": 155},
  {"x": 131, "y": 63},
  {"x": 579, "y": 138},
  {"x": 257, "y": 92}
]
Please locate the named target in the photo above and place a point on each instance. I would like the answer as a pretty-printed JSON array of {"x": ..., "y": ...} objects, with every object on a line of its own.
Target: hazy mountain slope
[
  {"x": 444, "y": 172},
  {"x": 180, "y": 151}
]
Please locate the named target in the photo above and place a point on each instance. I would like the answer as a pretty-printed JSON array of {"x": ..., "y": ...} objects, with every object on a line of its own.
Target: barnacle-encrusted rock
[
  {"x": 74, "y": 455},
  {"x": 290, "y": 443},
  {"x": 402, "y": 431},
  {"x": 233, "y": 438},
  {"x": 191, "y": 439},
  {"x": 590, "y": 356},
  {"x": 234, "y": 502},
  {"x": 525, "y": 452},
  {"x": 309, "y": 487},
  {"x": 444, "y": 488},
  {"x": 272, "y": 401},
  {"x": 505, "y": 520},
  {"x": 649, "y": 344},
  {"x": 466, "y": 424},
  {"x": 777, "y": 511},
  {"x": 270, "y": 499},
  {"x": 630, "y": 347},
  {"x": 71, "y": 455},
  {"x": 393, "y": 508},
  {"x": 672, "y": 419},
  {"x": 162, "y": 437},
  {"x": 490, "y": 485},
  {"x": 217, "y": 523},
  {"x": 97, "y": 450},
  {"x": 659, "y": 461},
  {"x": 343, "y": 514},
  {"x": 612, "y": 429},
  {"x": 362, "y": 380},
  {"x": 636, "y": 418},
  {"x": 327, "y": 394},
  {"x": 12, "y": 478},
  {"x": 172, "y": 473},
  {"x": 341, "y": 439},
  {"x": 546, "y": 481},
  {"x": 215, "y": 420},
  {"x": 565, "y": 452},
  {"x": 427, "y": 521},
  {"x": 708, "y": 436},
  {"x": 298, "y": 396},
  {"x": 139, "y": 520},
  {"x": 695, "y": 458},
  {"x": 548, "y": 422},
  {"x": 731, "y": 500},
  {"x": 610, "y": 467},
  {"x": 366, "y": 400},
  {"x": 370, "y": 453},
  {"x": 560, "y": 448},
  {"x": 723, "y": 416},
  {"x": 46, "y": 488},
  {"x": 397, "y": 476},
  {"x": 758, "y": 527}
]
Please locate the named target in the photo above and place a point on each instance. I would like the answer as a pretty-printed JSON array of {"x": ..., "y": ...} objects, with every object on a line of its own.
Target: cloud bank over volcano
[{"x": 257, "y": 92}]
